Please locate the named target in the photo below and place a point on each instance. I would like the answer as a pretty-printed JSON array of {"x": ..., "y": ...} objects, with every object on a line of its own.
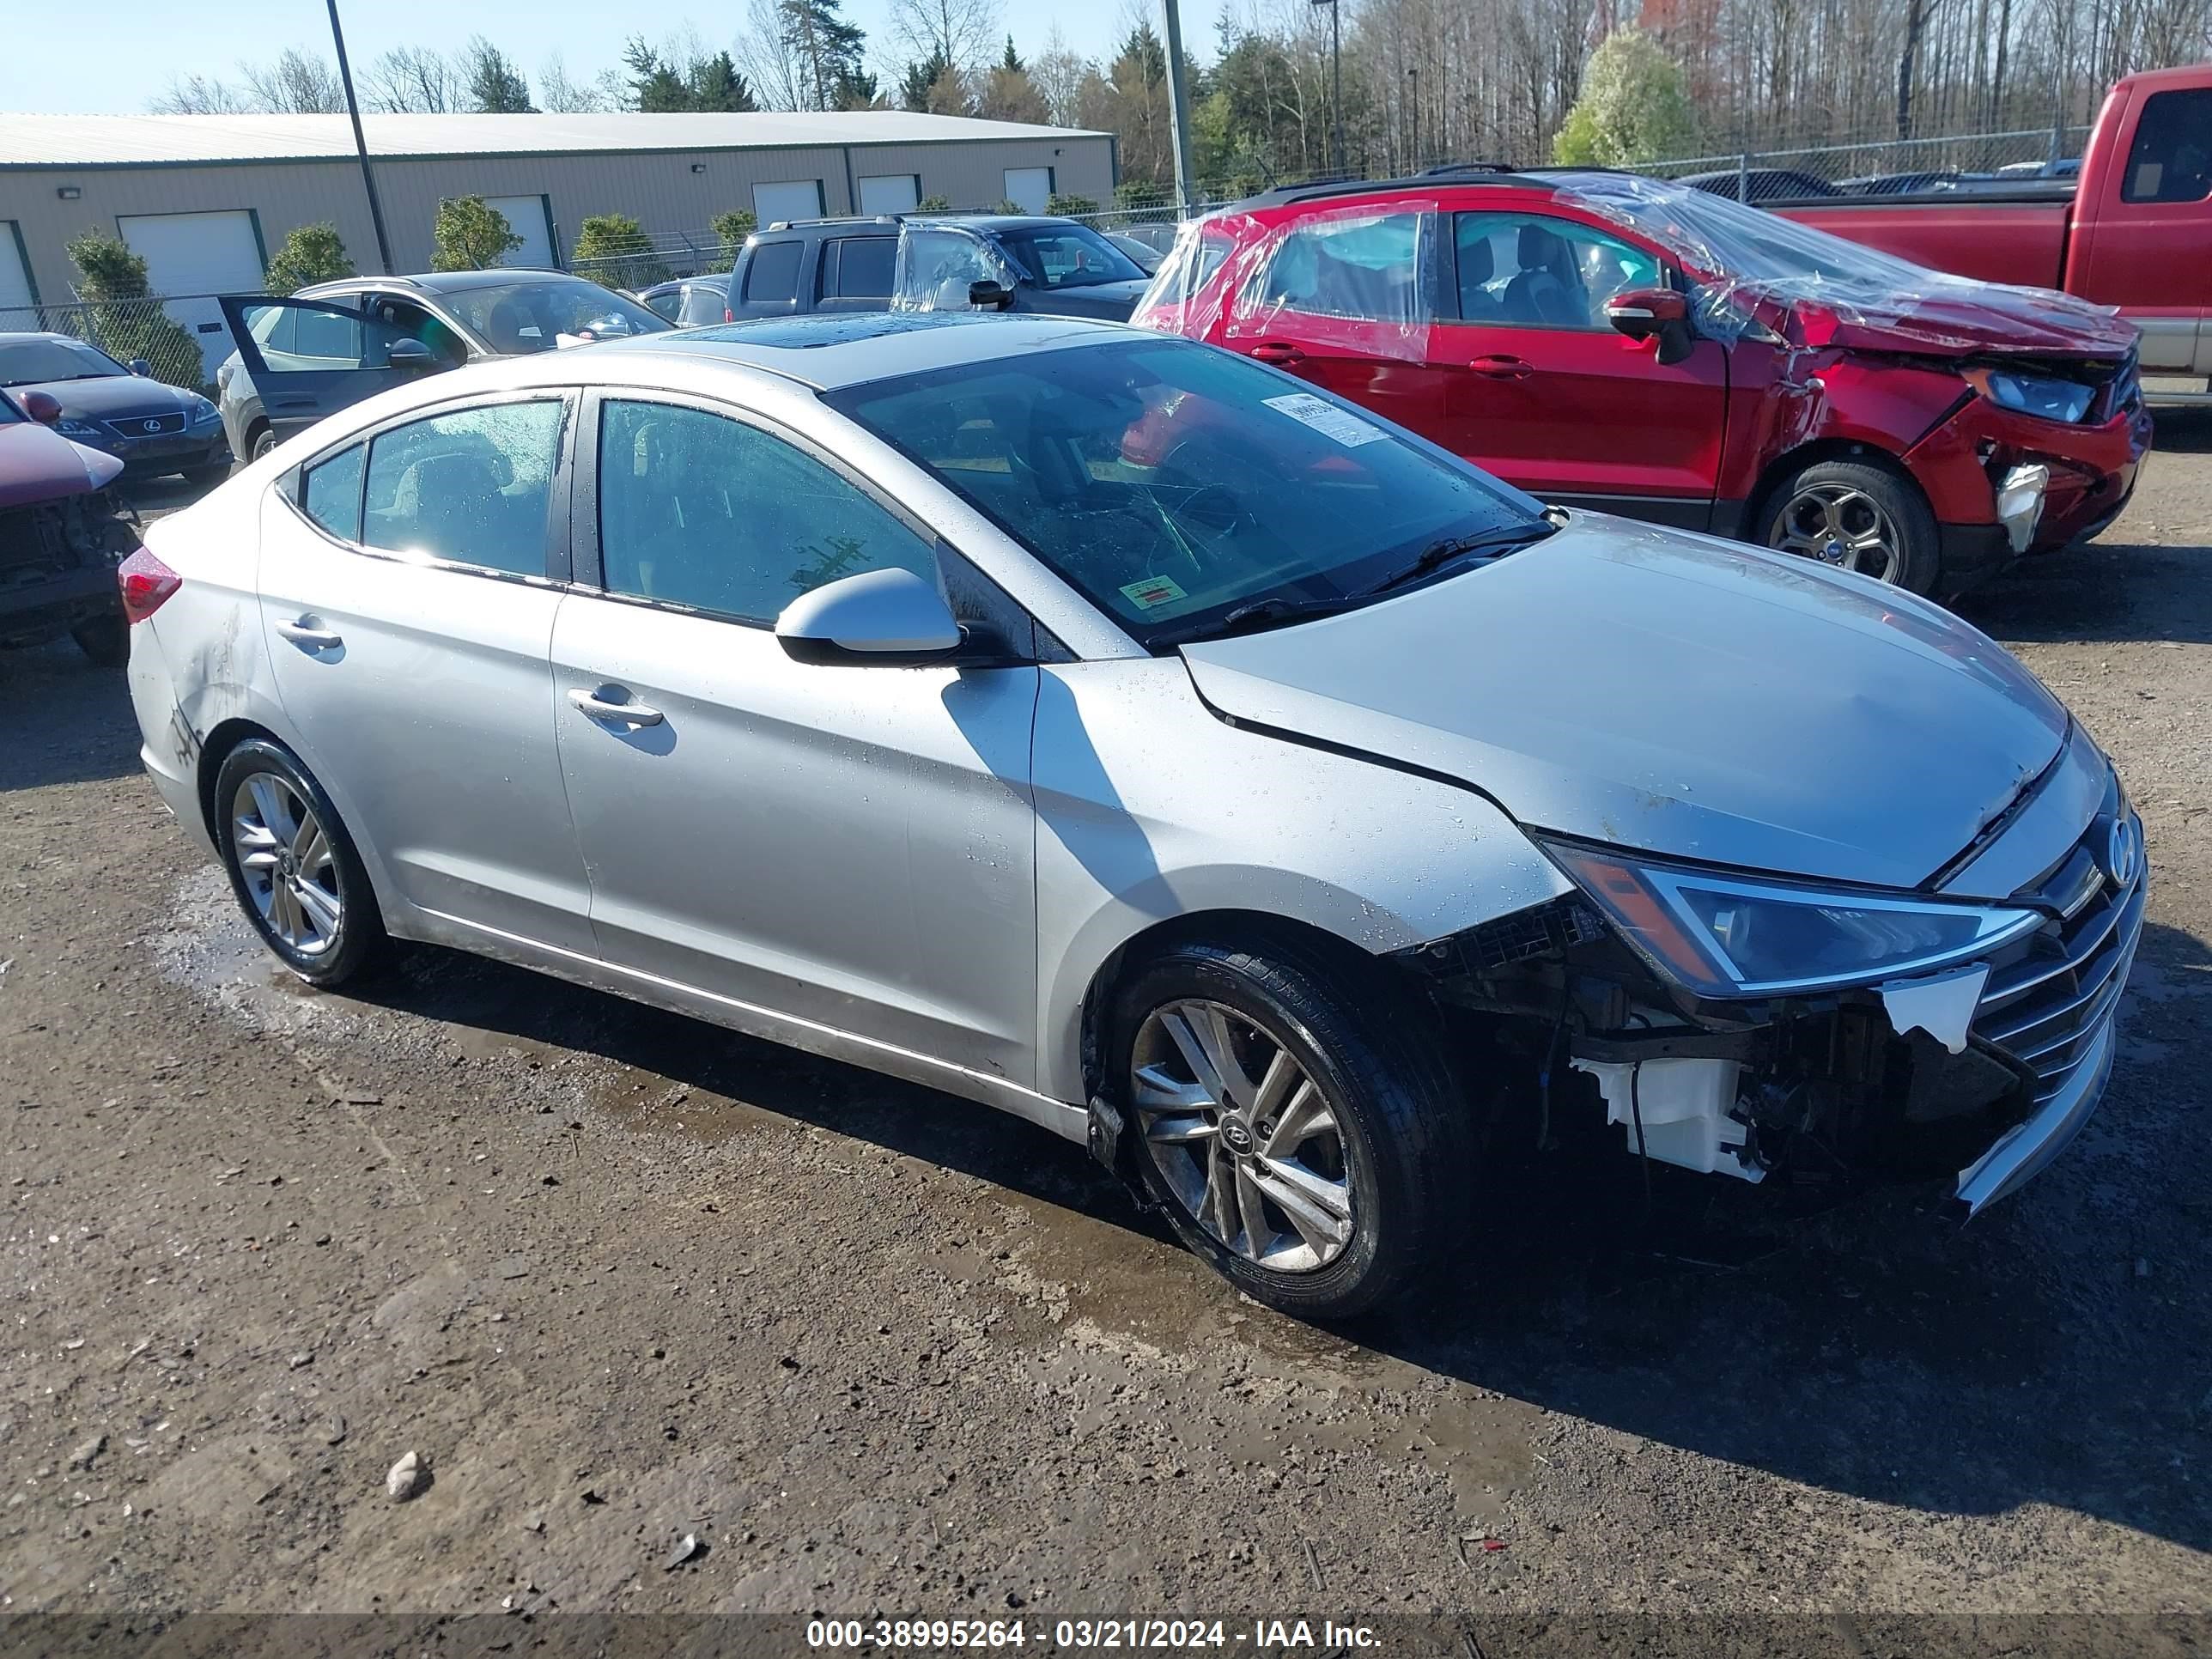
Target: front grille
[
  {"x": 2044, "y": 1008},
  {"x": 148, "y": 426}
]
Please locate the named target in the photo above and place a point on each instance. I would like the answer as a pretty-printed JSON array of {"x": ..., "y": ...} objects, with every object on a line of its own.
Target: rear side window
[
  {"x": 697, "y": 509},
  {"x": 332, "y": 495},
  {"x": 472, "y": 486},
  {"x": 772, "y": 274},
  {"x": 861, "y": 268},
  {"x": 2173, "y": 153}
]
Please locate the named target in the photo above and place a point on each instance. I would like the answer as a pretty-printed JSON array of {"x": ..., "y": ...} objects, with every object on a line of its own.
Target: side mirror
[
  {"x": 409, "y": 353},
  {"x": 139, "y": 365},
  {"x": 990, "y": 296},
  {"x": 1660, "y": 313},
  {"x": 889, "y": 618},
  {"x": 43, "y": 407}
]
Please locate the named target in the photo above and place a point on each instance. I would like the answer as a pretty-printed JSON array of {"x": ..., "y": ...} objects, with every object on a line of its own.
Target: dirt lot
[{"x": 617, "y": 1277}]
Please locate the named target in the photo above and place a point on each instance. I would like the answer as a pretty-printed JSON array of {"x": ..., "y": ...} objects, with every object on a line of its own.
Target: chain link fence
[
  {"x": 1904, "y": 166},
  {"x": 666, "y": 256}
]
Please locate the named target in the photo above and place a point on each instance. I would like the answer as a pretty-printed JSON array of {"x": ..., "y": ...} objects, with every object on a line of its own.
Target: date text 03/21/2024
[{"x": 1089, "y": 1634}]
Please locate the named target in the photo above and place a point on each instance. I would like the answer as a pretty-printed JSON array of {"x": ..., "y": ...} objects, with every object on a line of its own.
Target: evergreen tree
[{"x": 495, "y": 86}]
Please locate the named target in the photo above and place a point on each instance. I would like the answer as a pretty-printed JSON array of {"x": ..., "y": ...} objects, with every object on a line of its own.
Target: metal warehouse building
[{"x": 206, "y": 198}]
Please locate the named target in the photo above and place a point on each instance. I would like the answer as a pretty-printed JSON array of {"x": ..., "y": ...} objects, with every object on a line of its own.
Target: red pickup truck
[{"x": 2135, "y": 232}]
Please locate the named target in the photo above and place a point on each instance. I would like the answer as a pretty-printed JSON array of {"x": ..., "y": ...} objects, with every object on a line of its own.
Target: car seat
[
  {"x": 454, "y": 505},
  {"x": 1478, "y": 264},
  {"x": 1548, "y": 288},
  {"x": 503, "y": 326}
]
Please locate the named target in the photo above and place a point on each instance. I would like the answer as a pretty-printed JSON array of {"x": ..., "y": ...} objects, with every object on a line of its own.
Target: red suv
[{"x": 1608, "y": 341}]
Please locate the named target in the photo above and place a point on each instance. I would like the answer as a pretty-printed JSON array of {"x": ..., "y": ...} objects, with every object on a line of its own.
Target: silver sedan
[{"x": 1142, "y": 741}]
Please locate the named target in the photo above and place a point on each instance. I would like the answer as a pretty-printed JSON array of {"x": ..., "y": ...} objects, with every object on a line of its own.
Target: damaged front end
[{"x": 1975, "y": 1046}]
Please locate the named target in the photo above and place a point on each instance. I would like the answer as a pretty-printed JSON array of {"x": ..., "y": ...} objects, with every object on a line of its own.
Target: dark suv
[
  {"x": 1053, "y": 266},
  {"x": 815, "y": 264}
]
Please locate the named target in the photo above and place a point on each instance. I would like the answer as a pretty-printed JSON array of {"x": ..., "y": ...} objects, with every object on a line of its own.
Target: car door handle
[
  {"x": 593, "y": 706},
  {"x": 308, "y": 637},
  {"x": 1502, "y": 368},
  {"x": 1281, "y": 353}
]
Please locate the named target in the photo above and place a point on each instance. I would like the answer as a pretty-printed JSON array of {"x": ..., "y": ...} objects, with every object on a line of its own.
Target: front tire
[
  {"x": 1854, "y": 516},
  {"x": 208, "y": 477},
  {"x": 1296, "y": 1118},
  {"x": 105, "y": 640},
  {"x": 264, "y": 440},
  {"x": 293, "y": 866}
]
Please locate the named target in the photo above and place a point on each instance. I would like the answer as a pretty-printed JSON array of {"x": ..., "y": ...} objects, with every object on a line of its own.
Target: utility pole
[
  {"x": 1336, "y": 74},
  {"x": 361, "y": 144},
  {"x": 1178, "y": 107}
]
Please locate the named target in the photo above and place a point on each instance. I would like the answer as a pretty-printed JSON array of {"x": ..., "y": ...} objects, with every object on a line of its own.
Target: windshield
[
  {"x": 1175, "y": 486},
  {"x": 523, "y": 317},
  {"x": 1068, "y": 256},
  {"x": 32, "y": 363},
  {"x": 8, "y": 414}
]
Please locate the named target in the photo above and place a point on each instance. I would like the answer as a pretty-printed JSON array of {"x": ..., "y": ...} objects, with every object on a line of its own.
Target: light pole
[
  {"x": 1413, "y": 110},
  {"x": 1335, "y": 75},
  {"x": 361, "y": 144},
  {"x": 1178, "y": 107}
]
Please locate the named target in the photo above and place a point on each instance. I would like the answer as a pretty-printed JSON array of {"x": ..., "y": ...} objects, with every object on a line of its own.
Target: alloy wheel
[
  {"x": 1839, "y": 526},
  {"x": 1245, "y": 1140},
  {"x": 290, "y": 868}
]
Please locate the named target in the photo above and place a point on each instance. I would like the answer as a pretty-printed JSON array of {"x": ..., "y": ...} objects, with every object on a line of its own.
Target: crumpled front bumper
[{"x": 2023, "y": 1151}]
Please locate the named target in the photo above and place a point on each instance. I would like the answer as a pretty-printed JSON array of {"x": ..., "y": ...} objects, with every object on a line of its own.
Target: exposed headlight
[
  {"x": 1734, "y": 936},
  {"x": 2033, "y": 394},
  {"x": 203, "y": 412}
]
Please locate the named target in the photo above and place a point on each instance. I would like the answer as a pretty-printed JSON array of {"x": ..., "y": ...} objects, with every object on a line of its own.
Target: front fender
[{"x": 1151, "y": 808}]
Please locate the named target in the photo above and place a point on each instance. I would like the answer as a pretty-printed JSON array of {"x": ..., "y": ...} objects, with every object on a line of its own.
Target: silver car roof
[{"x": 829, "y": 350}]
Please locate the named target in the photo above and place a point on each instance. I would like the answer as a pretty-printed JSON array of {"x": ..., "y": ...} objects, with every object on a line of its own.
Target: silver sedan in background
[{"x": 1126, "y": 735}]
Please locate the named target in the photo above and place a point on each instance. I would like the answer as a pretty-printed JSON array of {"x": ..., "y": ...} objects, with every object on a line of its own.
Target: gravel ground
[{"x": 616, "y": 1278}]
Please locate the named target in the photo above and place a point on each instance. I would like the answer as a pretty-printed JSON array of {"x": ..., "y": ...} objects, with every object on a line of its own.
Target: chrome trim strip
[
  {"x": 2083, "y": 996},
  {"x": 2078, "y": 953},
  {"x": 2025, "y": 1149}
]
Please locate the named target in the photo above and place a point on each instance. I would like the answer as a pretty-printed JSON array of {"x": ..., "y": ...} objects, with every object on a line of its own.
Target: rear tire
[
  {"x": 264, "y": 440},
  {"x": 1857, "y": 516},
  {"x": 1301, "y": 1129},
  {"x": 293, "y": 866}
]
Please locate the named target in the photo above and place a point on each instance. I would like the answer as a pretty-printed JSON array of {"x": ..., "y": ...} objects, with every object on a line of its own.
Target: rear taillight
[
  {"x": 728, "y": 315},
  {"x": 146, "y": 583}
]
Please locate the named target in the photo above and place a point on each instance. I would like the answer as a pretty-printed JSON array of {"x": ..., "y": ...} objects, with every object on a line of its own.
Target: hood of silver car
[{"x": 1673, "y": 693}]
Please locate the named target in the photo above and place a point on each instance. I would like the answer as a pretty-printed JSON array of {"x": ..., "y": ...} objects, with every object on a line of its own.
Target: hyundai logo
[
  {"x": 150, "y": 426},
  {"x": 2123, "y": 850}
]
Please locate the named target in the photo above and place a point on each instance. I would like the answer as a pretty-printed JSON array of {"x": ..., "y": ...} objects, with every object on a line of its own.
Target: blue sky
[{"x": 116, "y": 56}]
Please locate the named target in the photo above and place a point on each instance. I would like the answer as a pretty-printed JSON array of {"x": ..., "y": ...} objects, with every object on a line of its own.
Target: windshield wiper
[
  {"x": 1258, "y": 614},
  {"x": 1439, "y": 554}
]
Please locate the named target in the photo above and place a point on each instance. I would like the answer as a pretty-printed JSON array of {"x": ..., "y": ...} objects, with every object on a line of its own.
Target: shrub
[
  {"x": 934, "y": 204},
  {"x": 614, "y": 249},
  {"x": 121, "y": 316},
  {"x": 731, "y": 228},
  {"x": 308, "y": 254},
  {"x": 1070, "y": 207},
  {"x": 471, "y": 234}
]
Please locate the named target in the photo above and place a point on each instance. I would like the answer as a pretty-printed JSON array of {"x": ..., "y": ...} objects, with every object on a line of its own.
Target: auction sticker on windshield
[
  {"x": 1153, "y": 591},
  {"x": 1326, "y": 418}
]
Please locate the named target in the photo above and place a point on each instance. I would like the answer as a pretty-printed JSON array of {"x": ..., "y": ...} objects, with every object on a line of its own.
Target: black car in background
[
  {"x": 151, "y": 427},
  {"x": 688, "y": 301},
  {"x": 1014, "y": 262}
]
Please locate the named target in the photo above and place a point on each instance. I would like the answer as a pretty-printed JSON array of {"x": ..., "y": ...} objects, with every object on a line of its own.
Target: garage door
[
  {"x": 891, "y": 192},
  {"x": 15, "y": 301},
  {"x": 527, "y": 217},
  {"x": 198, "y": 256},
  {"x": 1028, "y": 188},
  {"x": 798, "y": 198}
]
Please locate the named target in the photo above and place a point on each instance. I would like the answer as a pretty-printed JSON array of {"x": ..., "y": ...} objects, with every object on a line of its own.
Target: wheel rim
[
  {"x": 290, "y": 867},
  {"x": 1839, "y": 526},
  {"x": 1244, "y": 1138},
  {"x": 263, "y": 443}
]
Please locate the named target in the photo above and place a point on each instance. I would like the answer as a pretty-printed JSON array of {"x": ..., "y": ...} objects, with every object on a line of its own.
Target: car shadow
[
  {"x": 71, "y": 720},
  {"x": 2052, "y": 1351}
]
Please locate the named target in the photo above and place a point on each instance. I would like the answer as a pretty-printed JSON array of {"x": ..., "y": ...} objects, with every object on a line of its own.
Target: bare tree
[
  {"x": 559, "y": 96},
  {"x": 201, "y": 95},
  {"x": 1057, "y": 73},
  {"x": 296, "y": 83},
  {"x": 964, "y": 32},
  {"x": 412, "y": 80}
]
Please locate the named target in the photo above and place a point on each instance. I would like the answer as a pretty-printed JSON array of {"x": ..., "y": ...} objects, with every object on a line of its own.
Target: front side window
[
  {"x": 2171, "y": 156},
  {"x": 699, "y": 510},
  {"x": 1363, "y": 265},
  {"x": 1535, "y": 270},
  {"x": 937, "y": 266},
  {"x": 331, "y": 495},
  {"x": 1174, "y": 485},
  {"x": 471, "y": 487}
]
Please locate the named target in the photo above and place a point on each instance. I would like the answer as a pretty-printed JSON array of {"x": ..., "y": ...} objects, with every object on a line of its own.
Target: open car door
[{"x": 309, "y": 358}]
